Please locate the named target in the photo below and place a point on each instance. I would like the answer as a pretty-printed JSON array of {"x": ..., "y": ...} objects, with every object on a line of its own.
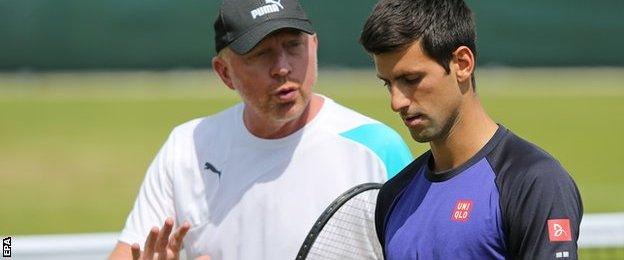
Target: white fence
[{"x": 597, "y": 231}]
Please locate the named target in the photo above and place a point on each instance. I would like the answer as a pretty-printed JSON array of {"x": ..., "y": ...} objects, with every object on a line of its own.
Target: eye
[
  {"x": 294, "y": 43},
  {"x": 261, "y": 53},
  {"x": 294, "y": 46},
  {"x": 412, "y": 80}
]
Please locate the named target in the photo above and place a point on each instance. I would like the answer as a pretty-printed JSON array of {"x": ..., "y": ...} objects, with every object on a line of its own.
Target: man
[
  {"x": 481, "y": 192},
  {"x": 250, "y": 181}
]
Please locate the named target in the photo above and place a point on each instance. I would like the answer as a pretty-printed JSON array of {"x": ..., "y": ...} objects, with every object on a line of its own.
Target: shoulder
[
  {"x": 207, "y": 124},
  {"x": 377, "y": 137},
  {"x": 353, "y": 125},
  {"x": 518, "y": 162},
  {"x": 338, "y": 118},
  {"x": 534, "y": 189},
  {"x": 531, "y": 181},
  {"x": 202, "y": 130}
]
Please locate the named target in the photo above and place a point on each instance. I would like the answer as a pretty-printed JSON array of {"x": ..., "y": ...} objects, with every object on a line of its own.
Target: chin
[
  {"x": 421, "y": 139},
  {"x": 422, "y": 136},
  {"x": 293, "y": 110},
  {"x": 289, "y": 113}
]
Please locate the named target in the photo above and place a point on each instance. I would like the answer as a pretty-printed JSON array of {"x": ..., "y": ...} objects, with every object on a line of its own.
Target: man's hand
[{"x": 159, "y": 245}]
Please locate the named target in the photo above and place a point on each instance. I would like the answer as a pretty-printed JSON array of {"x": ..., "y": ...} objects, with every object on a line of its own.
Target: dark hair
[{"x": 441, "y": 25}]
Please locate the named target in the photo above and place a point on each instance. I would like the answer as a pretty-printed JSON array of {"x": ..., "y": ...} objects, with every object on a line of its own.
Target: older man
[{"x": 249, "y": 182}]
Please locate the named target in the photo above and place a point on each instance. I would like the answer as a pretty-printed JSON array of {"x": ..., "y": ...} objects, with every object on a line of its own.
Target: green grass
[
  {"x": 601, "y": 253},
  {"x": 75, "y": 146}
]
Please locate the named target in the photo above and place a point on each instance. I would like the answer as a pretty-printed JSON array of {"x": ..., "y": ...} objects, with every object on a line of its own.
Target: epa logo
[{"x": 6, "y": 247}]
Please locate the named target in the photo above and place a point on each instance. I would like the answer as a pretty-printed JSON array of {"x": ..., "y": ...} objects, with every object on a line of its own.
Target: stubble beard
[
  {"x": 284, "y": 112},
  {"x": 435, "y": 131}
]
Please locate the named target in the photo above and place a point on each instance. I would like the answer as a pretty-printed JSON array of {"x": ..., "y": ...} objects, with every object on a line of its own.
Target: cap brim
[{"x": 251, "y": 38}]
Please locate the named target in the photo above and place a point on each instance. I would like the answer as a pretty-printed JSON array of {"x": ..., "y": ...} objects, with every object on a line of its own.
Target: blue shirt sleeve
[{"x": 385, "y": 142}]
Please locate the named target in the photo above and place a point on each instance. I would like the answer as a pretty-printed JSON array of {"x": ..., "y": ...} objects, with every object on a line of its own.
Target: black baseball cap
[{"x": 242, "y": 24}]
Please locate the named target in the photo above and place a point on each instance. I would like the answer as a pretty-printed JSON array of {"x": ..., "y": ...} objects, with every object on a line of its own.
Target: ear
[
  {"x": 464, "y": 63},
  {"x": 219, "y": 65}
]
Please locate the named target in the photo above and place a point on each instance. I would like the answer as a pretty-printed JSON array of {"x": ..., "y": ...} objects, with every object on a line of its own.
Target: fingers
[
  {"x": 136, "y": 251},
  {"x": 163, "y": 237},
  {"x": 148, "y": 250},
  {"x": 175, "y": 244},
  {"x": 158, "y": 242}
]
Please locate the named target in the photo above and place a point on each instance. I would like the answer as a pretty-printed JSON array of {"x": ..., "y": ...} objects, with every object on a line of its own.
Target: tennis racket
[{"x": 346, "y": 229}]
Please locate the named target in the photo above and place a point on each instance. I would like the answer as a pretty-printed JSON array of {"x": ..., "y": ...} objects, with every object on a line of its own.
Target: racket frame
[{"x": 329, "y": 212}]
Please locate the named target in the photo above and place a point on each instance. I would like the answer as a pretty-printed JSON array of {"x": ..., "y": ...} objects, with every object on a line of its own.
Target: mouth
[
  {"x": 413, "y": 119},
  {"x": 287, "y": 94}
]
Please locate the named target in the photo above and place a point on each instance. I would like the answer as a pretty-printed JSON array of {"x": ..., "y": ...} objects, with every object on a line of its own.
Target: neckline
[
  {"x": 249, "y": 139},
  {"x": 448, "y": 174}
]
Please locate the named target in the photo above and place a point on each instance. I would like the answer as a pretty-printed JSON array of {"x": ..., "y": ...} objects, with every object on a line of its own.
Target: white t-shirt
[{"x": 252, "y": 198}]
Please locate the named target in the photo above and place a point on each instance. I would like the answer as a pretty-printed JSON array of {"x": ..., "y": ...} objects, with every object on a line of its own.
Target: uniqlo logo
[
  {"x": 462, "y": 209},
  {"x": 559, "y": 230}
]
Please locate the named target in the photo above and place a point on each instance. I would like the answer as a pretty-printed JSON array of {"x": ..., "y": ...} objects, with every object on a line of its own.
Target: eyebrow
[{"x": 404, "y": 74}]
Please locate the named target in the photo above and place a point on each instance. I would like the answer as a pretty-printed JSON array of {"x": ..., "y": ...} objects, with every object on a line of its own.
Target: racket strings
[{"x": 350, "y": 233}]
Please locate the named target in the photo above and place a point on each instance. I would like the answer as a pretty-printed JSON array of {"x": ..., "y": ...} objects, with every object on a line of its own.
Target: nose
[
  {"x": 281, "y": 66},
  {"x": 398, "y": 99}
]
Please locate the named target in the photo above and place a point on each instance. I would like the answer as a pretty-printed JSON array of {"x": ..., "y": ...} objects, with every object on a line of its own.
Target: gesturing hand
[{"x": 159, "y": 245}]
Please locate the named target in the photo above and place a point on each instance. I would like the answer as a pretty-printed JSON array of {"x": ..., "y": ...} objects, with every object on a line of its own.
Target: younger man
[{"x": 481, "y": 192}]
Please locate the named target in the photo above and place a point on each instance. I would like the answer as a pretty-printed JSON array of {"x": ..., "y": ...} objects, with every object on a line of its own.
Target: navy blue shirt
[{"x": 511, "y": 200}]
